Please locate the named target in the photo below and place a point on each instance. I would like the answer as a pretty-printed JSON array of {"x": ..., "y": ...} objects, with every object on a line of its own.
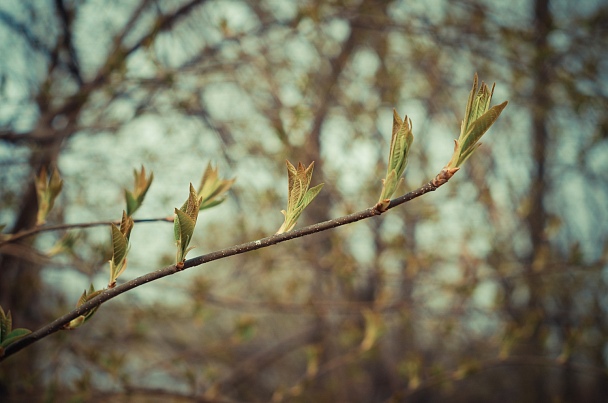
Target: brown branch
[
  {"x": 9, "y": 136},
  {"x": 163, "y": 24},
  {"x": 108, "y": 294},
  {"x": 67, "y": 18},
  {"x": 25, "y": 32},
  {"x": 37, "y": 230}
]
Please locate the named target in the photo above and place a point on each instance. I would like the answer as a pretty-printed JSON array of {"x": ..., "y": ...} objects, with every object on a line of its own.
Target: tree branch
[
  {"x": 66, "y": 18},
  {"x": 59, "y": 323},
  {"x": 25, "y": 32},
  {"x": 37, "y": 230}
]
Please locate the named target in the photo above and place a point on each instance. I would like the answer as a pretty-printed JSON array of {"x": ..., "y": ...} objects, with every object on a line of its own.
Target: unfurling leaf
[
  {"x": 120, "y": 248},
  {"x": 80, "y": 320},
  {"x": 401, "y": 140},
  {"x": 184, "y": 223},
  {"x": 8, "y": 335},
  {"x": 212, "y": 189},
  {"x": 298, "y": 194},
  {"x": 136, "y": 198},
  {"x": 47, "y": 190},
  {"x": 478, "y": 118},
  {"x": 12, "y": 337}
]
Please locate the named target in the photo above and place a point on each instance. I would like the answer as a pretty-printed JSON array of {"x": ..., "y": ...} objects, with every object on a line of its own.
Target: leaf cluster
[
  {"x": 298, "y": 194},
  {"x": 478, "y": 118},
  {"x": 184, "y": 223},
  {"x": 401, "y": 140},
  {"x": 120, "y": 247},
  {"x": 82, "y": 319}
]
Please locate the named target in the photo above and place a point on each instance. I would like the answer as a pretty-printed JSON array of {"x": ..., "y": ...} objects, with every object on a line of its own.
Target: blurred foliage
[{"x": 492, "y": 286}]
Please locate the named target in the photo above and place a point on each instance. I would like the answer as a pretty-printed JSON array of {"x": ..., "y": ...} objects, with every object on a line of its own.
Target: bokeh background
[{"x": 492, "y": 287}]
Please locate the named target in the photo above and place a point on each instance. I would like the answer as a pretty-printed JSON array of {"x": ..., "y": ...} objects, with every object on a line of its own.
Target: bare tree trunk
[{"x": 535, "y": 381}]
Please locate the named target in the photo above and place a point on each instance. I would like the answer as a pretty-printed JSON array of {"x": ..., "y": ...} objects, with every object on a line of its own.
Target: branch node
[
  {"x": 443, "y": 176},
  {"x": 381, "y": 206}
]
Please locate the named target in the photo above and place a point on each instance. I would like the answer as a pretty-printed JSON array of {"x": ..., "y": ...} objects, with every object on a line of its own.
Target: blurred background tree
[{"x": 492, "y": 286}]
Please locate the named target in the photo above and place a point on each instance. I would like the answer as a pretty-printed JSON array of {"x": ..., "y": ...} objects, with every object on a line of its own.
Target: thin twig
[
  {"x": 110, "y": 293},
  {"x": 37, "y": 230}
]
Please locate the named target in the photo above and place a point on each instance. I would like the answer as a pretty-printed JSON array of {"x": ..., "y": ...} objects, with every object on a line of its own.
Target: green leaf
[
  {"x": 86, "y": 296},
  {"x": 132, "y": 203},
  {"x": 311, "y": 194},
  {"x": 6, "y": 323},
  {"x": 13, "y": 336},
  {"x": 136, "y": 198},
  {"x": 119, "y": 244},
  {"x": 176, "y": 227},
  {"x": 401, "y": 141},
  {"x": 77, "y": 322},
  {"x": 468, "y": 110},
  {"x": 478, "y": 118},
  {"x": 482, "y": 124},
  {"x": 299, "y": 196},
  {"x": 184, "y": 223},
  {"x": 8, "y": 335},
  {"x": 120, "y": 248},
  {"x": 388, "y": 185},
  {"x": 209, "y": 204},
  {"x": 212, "y": 188},
  {"x": 467, "y": 153},
  {"x": 192, "y": 205}
]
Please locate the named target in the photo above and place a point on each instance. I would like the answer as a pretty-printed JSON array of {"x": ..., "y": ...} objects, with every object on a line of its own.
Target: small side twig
[{"x": 59, "y": 227}]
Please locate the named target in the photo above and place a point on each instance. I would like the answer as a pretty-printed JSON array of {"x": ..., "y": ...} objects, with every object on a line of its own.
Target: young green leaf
[
  {"x": 47, "y": 190},
  {"x": 136, "y": 198},
  {"x": 13, "y": 336},
  {"x": 120, "y": 248},
  {"x": 212, "y": 189},
  {"x": 6, "y": 323},
  {"x": 184, "y": 223},
  {"x": 8, "y": 335},
  {"x": 401, "y": 140},
  {"x": 80, "y": 320},
  {"x": 299, "y": 195},
  {"x": 478, "y": 118}
]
